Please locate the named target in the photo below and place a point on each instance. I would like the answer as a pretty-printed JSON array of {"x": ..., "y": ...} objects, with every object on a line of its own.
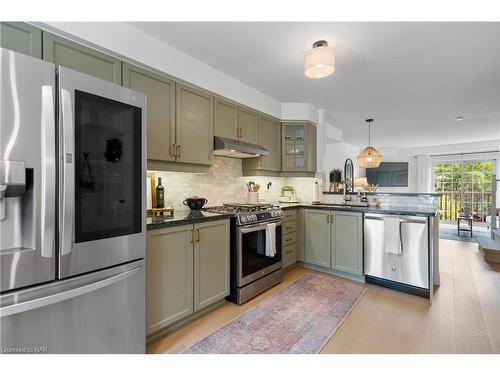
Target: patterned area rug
[{"x": 299, "y": 319}]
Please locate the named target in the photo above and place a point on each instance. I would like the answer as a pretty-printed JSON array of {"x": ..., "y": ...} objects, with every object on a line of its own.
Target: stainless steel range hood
[{"x": 236, "y": 149}]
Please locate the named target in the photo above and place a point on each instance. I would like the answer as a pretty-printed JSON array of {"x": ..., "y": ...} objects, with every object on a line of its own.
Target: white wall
[
  {"x": 299, "y": 111},
  {"x": 124, "y": 40},
  {"x": 335, "y": 157}
]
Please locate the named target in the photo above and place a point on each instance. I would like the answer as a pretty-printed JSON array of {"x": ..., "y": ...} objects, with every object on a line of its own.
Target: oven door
[
  {"x": 102, "y": 130},
  {"x": 251, "y": 249}
]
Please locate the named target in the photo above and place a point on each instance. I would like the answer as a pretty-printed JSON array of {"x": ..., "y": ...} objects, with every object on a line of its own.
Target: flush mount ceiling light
[
  {"x": 369, "y": 157},
  {"x": 459, "y": 118},
  {"x": 320, "y": 60}
]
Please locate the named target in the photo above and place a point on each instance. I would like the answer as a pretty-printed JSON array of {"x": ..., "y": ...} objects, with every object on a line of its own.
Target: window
[{"x": 464, "y": 183}]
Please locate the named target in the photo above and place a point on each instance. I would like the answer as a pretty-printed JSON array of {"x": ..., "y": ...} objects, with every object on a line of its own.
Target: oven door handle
[{"x": 258, "y": 227}]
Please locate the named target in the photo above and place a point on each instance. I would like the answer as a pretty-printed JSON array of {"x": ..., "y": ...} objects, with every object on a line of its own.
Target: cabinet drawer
[
  {"x": 289, "y": 215},
  {"x": 290, "y": 226},
  {"x": 289, "y": 255},
  {"x": 289, "y": 238}
]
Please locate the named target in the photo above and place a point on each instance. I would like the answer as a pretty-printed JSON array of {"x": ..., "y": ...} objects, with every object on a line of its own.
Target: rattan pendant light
[{"x": 369, "y": 157}]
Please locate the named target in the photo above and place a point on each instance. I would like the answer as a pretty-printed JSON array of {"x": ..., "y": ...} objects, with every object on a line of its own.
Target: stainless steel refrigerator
[{"x": 72, "y": 211}]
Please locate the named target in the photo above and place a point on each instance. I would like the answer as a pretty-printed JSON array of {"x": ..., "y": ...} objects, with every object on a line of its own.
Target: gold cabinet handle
[
  {"x": 178, "y": 151},
  {"x": 328, "y": 218},
  {"x": 192, "y": 236},
  {"x": 171, "y": 151},
  {"x": 197, "y": 235},
  {"x": 332, "y": 219}
]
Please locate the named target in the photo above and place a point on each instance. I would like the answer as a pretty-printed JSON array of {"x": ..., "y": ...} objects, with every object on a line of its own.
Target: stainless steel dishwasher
[{"x": 408, "y": 269}]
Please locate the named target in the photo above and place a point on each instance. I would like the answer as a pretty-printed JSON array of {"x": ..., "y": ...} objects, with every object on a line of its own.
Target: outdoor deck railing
[{"x": 450, "y": 203}]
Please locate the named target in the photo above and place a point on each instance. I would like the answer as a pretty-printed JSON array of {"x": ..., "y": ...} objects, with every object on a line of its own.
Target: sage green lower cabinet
[
  {"x": 317, "y": 237},
  {"x": 334, "y": 242},
  {"x": 160, "y": 91},
  {"x": 211, "y": 263},
  {"x": 187, "y": 269},
  {"x": 347, "y": 242},
  {"x": 289, "y": 238},
  {"x": 169, "y": 276},
  {"x": 300, "y": 245},
  {"x": 21, "y": 37},
  {"x": 194, "y": 126},
  {"x": 69, "y": 54}
]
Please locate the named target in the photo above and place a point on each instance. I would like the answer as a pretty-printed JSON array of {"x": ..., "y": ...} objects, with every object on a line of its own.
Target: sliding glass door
[{"x": 465, "y": 183}]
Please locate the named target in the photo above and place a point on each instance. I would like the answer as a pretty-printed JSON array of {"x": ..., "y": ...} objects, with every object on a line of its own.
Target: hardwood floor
[{"x": 464, "y": 317}]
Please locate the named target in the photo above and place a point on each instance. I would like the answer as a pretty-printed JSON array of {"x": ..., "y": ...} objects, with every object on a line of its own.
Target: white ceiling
[{"x": 412, "y": 78}]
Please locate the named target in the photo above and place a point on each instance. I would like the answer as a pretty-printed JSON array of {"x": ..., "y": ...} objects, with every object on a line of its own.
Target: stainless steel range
[{"x": 255, "y": 248}]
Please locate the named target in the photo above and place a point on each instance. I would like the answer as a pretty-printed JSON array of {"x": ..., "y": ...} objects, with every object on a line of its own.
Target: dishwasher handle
[{"x": 401, "y": 235}]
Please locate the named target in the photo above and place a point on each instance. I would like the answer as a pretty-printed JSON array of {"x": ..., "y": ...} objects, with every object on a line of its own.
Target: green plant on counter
[{"x": 286, "y": 188}]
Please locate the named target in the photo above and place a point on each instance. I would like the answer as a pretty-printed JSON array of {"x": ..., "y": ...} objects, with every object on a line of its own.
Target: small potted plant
[{"x": 335, "y": 179}]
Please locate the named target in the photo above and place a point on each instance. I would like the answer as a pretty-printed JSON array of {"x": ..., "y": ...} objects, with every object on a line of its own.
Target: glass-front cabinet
[{"x": 298, "y": 147}]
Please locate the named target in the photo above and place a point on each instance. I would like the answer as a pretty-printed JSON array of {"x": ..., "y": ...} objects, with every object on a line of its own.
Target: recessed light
[
  {"x": 232, "y": 150},
  {"x": 459, "y": 118}
]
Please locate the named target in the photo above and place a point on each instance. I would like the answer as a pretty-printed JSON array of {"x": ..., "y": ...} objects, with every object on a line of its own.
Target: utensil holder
[{"x": 253, "y": 197}]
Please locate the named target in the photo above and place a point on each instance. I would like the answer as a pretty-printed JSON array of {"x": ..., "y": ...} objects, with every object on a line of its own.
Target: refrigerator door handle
[
  {"x": 48, "y": 206},
  {"x": 68, "y": 294},
  {"x": 68, "y": 189}
]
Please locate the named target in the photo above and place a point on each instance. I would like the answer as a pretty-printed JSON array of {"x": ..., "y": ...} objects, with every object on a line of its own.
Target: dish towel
[
  {"x": 271, "y": 240},
  {"x": 391, "y": 236}
]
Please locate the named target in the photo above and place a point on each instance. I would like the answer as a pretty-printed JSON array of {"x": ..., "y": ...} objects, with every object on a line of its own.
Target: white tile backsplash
[{"x": 224, "y": 183}]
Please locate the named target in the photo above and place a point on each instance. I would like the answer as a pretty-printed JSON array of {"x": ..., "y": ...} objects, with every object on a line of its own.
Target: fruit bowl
[{"x": 195, "y": 203}]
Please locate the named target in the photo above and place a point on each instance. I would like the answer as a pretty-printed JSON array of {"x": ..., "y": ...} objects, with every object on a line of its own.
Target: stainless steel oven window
[{"x": 252, "y": 262}]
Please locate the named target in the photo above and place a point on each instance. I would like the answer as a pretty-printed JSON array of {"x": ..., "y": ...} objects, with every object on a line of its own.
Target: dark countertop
[
  {"x": 402, "y": 194},
  {"x": 183, "y": 217},
  {"x": 389, "y": 210}
]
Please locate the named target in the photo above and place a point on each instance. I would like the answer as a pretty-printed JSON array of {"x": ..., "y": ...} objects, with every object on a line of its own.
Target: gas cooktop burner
[{"x": 248, "y": 213}]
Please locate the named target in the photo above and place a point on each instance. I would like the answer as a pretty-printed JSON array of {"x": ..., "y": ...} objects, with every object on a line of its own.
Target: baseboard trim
[
  {"x": 184, "y": 322},
  {"x": 345, "y": 275}
]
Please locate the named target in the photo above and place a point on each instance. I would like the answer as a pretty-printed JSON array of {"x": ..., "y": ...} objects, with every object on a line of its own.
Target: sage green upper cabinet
[
  {"x": 226, "y": 119},
  {"x": 86, "y": 60},
  {"x": 160, "y": 92},
  {"x": 347, "y": 246},
  {"x": 311, "y": 148},
  {"x": 169, "y": 276},
  {"x": 211, "y": 263},
  {"x": 270, "y": 139},
  {"x": 248, "y": 123},
  {"x": 194, "y": 126},
  {"x": 317, "y": 237},
  {"x": 298, "y": 145},
  {"x": 21, "y": 37}
]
